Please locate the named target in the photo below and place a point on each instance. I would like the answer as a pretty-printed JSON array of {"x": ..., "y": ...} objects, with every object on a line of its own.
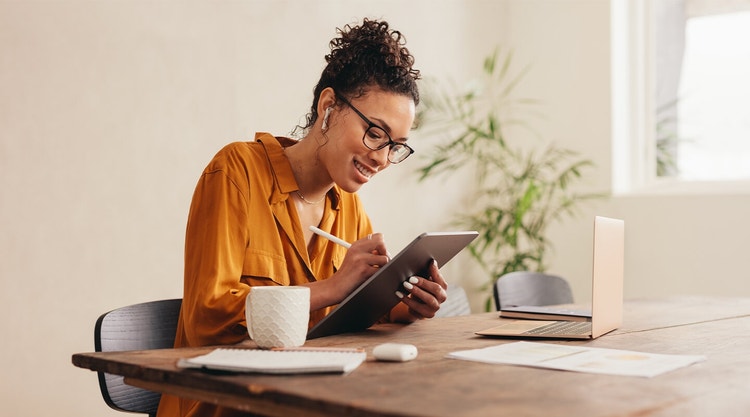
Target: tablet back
[{"x": 377, "y": 296}]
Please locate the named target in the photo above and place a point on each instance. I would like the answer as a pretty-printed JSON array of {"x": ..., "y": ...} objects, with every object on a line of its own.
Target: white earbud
[{"x": 324, "y": 126}]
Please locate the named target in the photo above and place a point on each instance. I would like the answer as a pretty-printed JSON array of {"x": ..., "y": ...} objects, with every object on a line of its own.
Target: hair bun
[{"x": 367, "y": 55}]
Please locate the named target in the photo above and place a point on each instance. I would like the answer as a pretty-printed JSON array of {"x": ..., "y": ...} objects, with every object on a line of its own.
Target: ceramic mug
[{"x": 277, "y": 316}]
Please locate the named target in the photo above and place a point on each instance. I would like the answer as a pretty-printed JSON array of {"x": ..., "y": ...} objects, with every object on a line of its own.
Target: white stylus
[{"x": 330, "y": 237}]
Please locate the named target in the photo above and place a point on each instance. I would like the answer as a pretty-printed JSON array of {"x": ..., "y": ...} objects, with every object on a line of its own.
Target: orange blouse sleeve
[{"x": 215, "y": 241}]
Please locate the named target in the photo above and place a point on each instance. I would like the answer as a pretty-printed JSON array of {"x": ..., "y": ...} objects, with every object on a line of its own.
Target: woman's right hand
[{"x": 362, "y": 260}]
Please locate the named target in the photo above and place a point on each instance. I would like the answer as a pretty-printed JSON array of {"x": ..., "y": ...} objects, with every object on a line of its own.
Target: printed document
[{"x": 579, "y": 358}]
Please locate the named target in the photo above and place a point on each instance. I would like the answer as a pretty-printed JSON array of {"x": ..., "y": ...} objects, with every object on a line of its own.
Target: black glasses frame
[{"x": 398, "y": 146}]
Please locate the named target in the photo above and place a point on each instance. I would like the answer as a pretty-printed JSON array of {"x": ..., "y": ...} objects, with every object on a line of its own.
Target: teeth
[{"x": 362, "y": 169}]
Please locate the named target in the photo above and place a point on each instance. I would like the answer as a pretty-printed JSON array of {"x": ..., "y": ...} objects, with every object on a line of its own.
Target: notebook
[
  {"x": 375, "y": 297},
  {"x": 606, "y": 293},
  {"x": 284, "y": 361}
]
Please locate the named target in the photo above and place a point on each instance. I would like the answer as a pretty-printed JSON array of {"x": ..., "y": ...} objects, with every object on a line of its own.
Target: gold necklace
[{"x": 308, "y": 201}]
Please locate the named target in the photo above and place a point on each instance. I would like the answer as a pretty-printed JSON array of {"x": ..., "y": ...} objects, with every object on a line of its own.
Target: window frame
[{"x": 633, "y": 76}]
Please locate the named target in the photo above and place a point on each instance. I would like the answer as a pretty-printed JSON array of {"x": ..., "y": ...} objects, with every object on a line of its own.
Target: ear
[{"x": 327, "y": 99}]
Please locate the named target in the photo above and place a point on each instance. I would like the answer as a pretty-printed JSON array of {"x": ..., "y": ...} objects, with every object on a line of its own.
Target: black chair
[
  {"x": 144, "y": 326},
  {"x": 457, "y": 303},
  {"x": 524, "y": 288}
]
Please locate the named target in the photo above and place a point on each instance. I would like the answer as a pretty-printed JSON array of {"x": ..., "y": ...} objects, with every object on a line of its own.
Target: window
[{"x": 686, "y": 101}]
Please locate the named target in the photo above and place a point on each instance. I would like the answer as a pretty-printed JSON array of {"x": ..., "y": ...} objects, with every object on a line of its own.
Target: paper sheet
[{"x": 579, "y": 358}]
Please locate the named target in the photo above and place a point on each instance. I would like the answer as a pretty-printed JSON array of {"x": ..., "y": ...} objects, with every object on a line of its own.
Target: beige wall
[{"x": 109, "y": 111}]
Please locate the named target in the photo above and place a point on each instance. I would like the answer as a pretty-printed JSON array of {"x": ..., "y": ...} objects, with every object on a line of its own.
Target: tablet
[{"x": 377, "y": 296}]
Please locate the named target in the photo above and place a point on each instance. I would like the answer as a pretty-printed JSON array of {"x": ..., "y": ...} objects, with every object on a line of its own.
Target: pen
[{"x": 330, "y": 237}]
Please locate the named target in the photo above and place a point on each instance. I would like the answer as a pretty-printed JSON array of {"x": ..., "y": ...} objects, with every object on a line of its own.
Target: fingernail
[
  {"x": 408, "y": 285},
  {"x": 414, "y": 280},
  {"x": 399, "y": 294}
]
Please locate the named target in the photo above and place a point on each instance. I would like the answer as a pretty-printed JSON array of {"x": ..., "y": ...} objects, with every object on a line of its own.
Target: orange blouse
[{"x": 243, "y": 231}]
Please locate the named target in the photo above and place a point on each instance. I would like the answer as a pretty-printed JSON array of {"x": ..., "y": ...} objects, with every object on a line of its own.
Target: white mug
[{"x": 277, "y": 316}]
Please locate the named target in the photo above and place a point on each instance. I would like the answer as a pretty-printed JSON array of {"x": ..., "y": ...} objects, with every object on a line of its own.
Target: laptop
[{"x": 606, "y": 294}]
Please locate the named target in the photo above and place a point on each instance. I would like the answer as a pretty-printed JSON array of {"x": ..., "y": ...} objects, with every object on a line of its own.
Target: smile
[{"x": 364, "y": 170}]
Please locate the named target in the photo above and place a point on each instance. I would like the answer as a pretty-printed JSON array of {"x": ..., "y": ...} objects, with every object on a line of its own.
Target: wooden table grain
[{"x": 434, "y": 386}]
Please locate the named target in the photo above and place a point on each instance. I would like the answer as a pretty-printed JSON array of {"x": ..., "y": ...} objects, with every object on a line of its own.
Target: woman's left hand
[{"x": 423, "y": 296}]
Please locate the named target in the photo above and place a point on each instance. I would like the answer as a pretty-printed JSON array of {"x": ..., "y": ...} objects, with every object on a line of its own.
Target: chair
[
  {"x": 522, "y": 288},
  {"x": 150, "y": 325},
  {"x": 457, "y": 303}
]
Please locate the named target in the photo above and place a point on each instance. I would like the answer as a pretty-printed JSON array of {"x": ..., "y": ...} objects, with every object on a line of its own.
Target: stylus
[{"x": 330, "y": 237}]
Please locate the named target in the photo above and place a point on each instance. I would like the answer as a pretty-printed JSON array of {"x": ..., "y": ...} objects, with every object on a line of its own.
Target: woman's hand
[
  {"x": 421, "y": 296},
  {"x": 362, "y": 260}
]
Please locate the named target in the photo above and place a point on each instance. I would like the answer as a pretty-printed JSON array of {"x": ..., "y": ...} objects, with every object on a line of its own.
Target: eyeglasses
[{"x": 376, "y": 138}]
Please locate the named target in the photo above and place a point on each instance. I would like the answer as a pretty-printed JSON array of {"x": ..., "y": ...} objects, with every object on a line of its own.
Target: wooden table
[{"x": 434, "y": 386}]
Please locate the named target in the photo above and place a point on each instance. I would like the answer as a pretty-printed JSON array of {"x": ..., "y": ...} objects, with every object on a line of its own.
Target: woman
[{"x": 250, "y": 215}]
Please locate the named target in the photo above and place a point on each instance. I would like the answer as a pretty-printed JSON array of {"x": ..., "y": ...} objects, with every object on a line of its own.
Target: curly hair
[{"x": 369, "y": 55}]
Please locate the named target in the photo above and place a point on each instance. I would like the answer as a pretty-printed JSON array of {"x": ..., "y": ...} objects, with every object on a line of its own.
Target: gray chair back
[
  {"x": 457, "y": 303},
  {"x": 144, "y": 326},
  {"x": 524, "y": 288}
]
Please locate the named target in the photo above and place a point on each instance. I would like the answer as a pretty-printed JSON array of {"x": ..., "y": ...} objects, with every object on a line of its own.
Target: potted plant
[{"x": 520, "y": 189}]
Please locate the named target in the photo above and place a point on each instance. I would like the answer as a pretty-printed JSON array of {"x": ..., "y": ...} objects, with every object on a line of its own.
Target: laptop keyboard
[{"x": 563, "y": 327}]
